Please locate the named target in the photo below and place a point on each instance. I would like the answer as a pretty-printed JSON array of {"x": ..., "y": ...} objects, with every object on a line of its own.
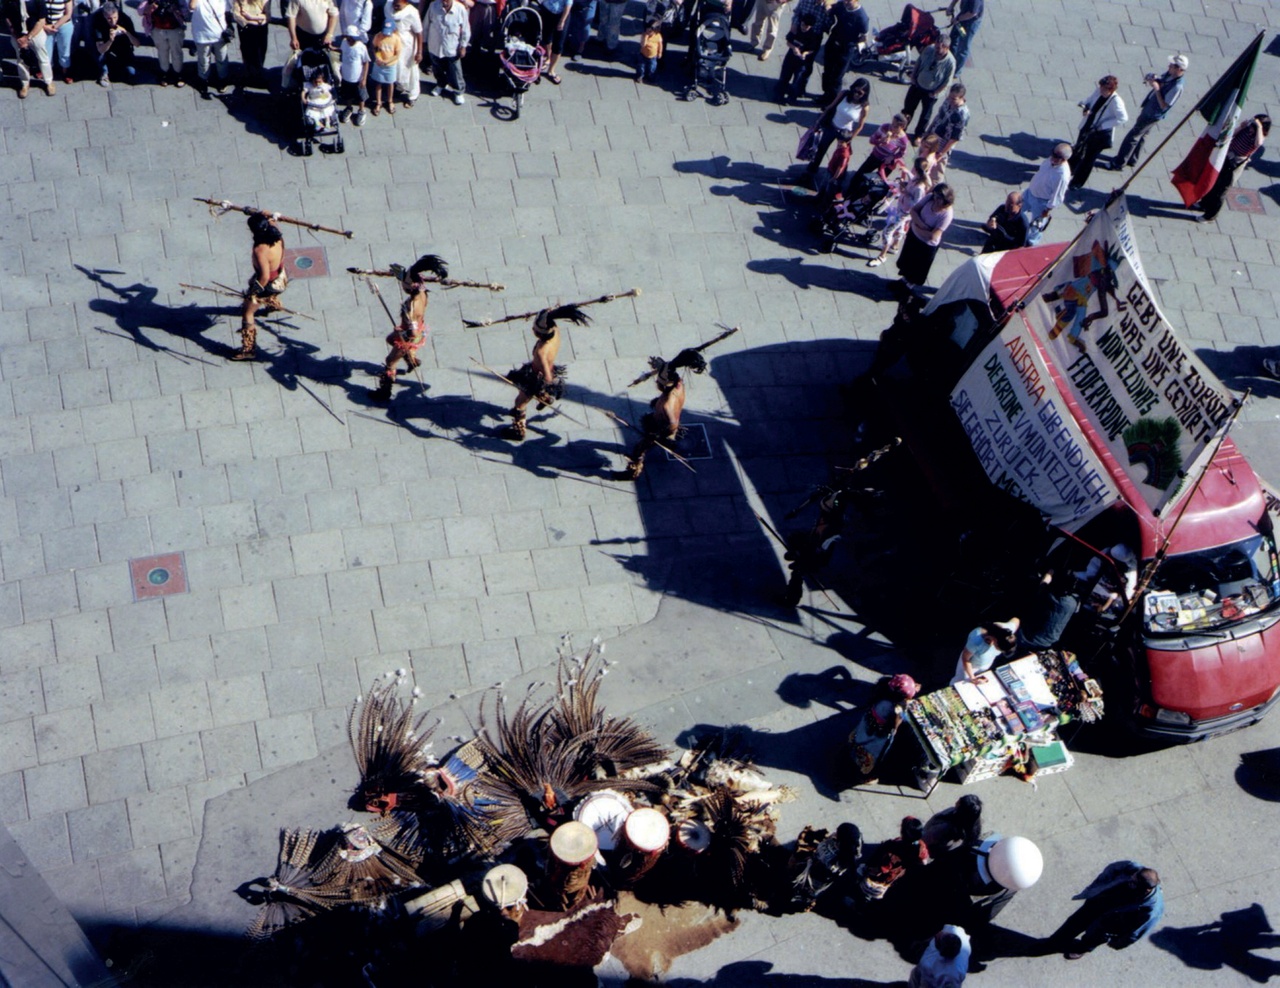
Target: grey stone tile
[
  {"x": 491, "y": 662},
  {"x": 213, "y": 568},
  {"x": 418, "y": 541},
  {"x": 231, "y": 750},
  {"x": 354, "y": 590},
  {"x": 202, "y": 485},
  {"x": 158, "y": 817},
  {"x": 332, "y": 509},
  {"x": 124, "y": 722},
  {"x": 49, "y": 596},
  {"x": 286, "y": 740},
  {"x": 181, "y": 709},
  {"x": 99, "y": 830},
  {"x": 126, "y": 539},
  {"x": 139, "y": 624},
  {"x": 64, "y": 734},
  {"x": 173, "y": 761},
  {"x": 55, "y": 787},
  {"x": 114, "y": 774},
  {"x": 132, "y": 878},
  {"x": 32, "y": 642},
  {"x": 402, "y": 627},
  {"x": 17, "y": 745},
  {"x": 21, "y": 693},
  {"x": 348, "y": 635},
  {"x": 23, "y": 557},
  {"x": 13, "y": 798},
  {"x": 44, "y": 840},
  {"x": 71, "y": 684},
  {"x": 239, "y": 653},
  {"x": 293, "y": 690},
  {"x": 558, "y": 611},
  {"x": 370, "y": 545},
  {"x": 264, "y": 560},
  {"x": 178, "y": 858},
  {"x": 460, "y": 577},
  {"x": 195, "y": 615},
  {"x": 319, "y": 552},
  {"x": 187, "y": 660},
  {"x": 247, "y": 607},
  {"x": 127, "y": 674},
  {"x": 506, "y": 616}
]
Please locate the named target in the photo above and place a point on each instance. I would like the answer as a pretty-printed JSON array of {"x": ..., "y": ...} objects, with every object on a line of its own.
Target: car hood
[{"x": 1218, "y": 677}]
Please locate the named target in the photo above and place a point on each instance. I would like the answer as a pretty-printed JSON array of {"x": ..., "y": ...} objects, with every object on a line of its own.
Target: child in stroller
[
  {"x": 319, "y": 107},
  {"x": 521, "y": 55},
  {"x": 709, "y": 57},
  {"x": 856, "y": 205},
  {"x": 896, "y": 44}
]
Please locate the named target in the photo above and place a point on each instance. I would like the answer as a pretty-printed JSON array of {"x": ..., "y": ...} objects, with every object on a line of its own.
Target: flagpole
[
  {"x": 1194, "y": 110},
  {"x": 1159, "y": 557}
]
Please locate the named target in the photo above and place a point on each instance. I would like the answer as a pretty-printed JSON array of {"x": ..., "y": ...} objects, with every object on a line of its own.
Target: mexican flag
[{"x": 1221, "y": 107}]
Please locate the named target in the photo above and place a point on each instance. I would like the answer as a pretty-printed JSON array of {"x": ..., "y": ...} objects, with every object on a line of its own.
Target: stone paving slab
[{"x": 327, "y": 539}]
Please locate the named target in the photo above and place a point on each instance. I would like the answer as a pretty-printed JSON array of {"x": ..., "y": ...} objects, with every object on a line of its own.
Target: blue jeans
[
  {"x": 1033, "y": 206},
  {"x": 961, "y": 40},
  {"x": 648, "y": 68},
  {"x": 59, "y": 43}
]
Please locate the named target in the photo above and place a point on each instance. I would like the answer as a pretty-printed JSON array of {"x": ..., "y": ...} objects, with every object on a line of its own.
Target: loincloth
[{"x": 530, "y": 382}]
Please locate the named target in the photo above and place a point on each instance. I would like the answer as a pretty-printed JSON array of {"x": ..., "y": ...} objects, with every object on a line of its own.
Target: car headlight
[{"x": 1172, "y": 717}]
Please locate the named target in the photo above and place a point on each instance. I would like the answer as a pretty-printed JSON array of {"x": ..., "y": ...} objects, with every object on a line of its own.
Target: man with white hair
[
  {"x": 1047, "y": 191},
  {"x": 1164, "y": 92}
]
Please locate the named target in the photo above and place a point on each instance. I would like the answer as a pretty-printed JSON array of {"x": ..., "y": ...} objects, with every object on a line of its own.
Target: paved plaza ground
[{"x": 324, "y": 540}]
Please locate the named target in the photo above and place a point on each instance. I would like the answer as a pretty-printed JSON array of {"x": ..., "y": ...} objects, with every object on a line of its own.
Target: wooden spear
[
  {"x": 728, "y": 331},
  {"x": 232, "y": 293},
  {"x": 219, "y": 206},
  {"x": 476, "y": 323},
  {"x": 492, "y": 286},
  {"x": 659, "y": 443},
  {"x": 551, "y": 405}
]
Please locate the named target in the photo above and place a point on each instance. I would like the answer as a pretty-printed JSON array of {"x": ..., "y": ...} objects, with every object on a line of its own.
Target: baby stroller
[
  {"x": 709, "y": 55},
  {"x": 898, "y": 46},
  {"x": 318, "y": 105},
  {"x": 866, "y": 201},
  {"x": 520, "y": 54}
]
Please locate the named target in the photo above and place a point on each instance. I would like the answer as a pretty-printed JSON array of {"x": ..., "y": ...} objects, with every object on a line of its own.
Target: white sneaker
[
  {"x": 359, "y": 118},
  {"x": 104, "y": 81},
  {"x": 458, "y": 99},
  {"x": 1272, "y": 367},
  {"x": 437, "y": 90}
]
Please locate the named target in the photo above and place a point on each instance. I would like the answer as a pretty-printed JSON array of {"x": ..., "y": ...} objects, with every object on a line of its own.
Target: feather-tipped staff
[
  {"x": 476, "y": 323},
  {"x": 728, "y": 331},
  {"x": 492, "y": 286},
  {"x": 554, "y": 406},
  {"x": 659, "y": 443},
  {"x": 220, "y": 206}
]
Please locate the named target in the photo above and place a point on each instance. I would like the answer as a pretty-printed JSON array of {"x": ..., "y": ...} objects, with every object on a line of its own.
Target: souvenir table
[{"x": 1007, "y": 721}]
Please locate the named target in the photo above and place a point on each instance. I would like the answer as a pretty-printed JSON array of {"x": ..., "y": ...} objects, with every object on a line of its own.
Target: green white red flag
[{"x": 1221, "y": 107}]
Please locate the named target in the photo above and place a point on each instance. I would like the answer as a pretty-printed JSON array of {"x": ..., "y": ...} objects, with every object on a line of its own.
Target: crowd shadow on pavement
[
  {"x": 760, "y": 974},
  {"x": 1258, "y": 774},
  {"x": 267, "y": 115},
  {"x": 992, "y": 167},
  {"x": 1231, "y": 942},
  {"x": 1029, "y": 147},
  {"x": 1241, "y": 368}
]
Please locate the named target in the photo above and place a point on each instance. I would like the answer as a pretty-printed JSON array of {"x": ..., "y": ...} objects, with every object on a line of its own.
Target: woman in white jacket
[{"x": 1103, "y": 112}]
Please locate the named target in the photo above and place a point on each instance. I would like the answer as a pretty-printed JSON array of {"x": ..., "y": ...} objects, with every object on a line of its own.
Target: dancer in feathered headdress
[
  {"x": 409, "y": 335},
  {"x": 542, "y": 379}
]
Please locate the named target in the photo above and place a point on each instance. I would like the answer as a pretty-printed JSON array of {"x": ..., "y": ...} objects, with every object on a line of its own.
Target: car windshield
[{"x": 1214, "y": 588}]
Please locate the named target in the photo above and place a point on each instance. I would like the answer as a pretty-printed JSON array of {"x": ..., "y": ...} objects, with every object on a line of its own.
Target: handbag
[{"x": 808, "y": 146}]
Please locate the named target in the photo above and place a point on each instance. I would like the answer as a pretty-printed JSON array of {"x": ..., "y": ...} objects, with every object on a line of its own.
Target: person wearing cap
[
  {"x": 1102, "y": 112},
  {"x": 1120, "y": 907},
  {"x": 1046, "y": 191},
  {"x": 354, "y": 69},
  {"x": 984, "y": 646},
  {"x": 448, "y": 35},
  {"x": 1164, "y": 92}
]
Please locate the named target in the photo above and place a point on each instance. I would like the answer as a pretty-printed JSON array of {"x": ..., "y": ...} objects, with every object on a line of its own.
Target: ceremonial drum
[
  {"x": 645, "y": 836},
  {"x": 606, "y": 813},
  {"x": 573, "y": 855},
  {"x": 693, "y": 836},
  {"x": 506, "y": 887},
  {"x": 441, "y": 906}
]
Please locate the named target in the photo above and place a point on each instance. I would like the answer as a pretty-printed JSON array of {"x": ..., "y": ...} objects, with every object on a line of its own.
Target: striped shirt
[
  {"x": 55, "y": 9},
  {"x": 1246, "y": 140}
]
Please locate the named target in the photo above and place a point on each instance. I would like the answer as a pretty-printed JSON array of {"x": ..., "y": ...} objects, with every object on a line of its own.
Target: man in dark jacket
[{"x": 1121, "y": 906}]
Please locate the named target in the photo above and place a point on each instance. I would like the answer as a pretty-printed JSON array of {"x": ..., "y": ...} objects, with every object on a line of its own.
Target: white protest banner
[
  {"x": 1150, "y": 400},
  {"x": 1023, "y": 434}
]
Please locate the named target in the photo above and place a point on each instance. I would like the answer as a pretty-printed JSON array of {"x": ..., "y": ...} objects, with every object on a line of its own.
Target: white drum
[{"x": 606, "y": 813}]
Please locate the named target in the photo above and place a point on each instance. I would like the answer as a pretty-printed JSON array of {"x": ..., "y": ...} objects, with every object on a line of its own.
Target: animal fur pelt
[{"x": 579, "y": 938}]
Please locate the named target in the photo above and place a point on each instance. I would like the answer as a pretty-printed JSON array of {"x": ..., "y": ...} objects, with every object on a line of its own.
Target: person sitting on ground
[
  {"x": 984, "y": 646},
  {"x": 1008, "y": 226},
  {"x": 891, "y": 860},
  {"x": 955, "y": 827}
]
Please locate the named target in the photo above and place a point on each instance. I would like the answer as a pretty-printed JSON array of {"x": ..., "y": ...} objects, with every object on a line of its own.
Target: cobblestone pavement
[{"x": 325, "y": 539}]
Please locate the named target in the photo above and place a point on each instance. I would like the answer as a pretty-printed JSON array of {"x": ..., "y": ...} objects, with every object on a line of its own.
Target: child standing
[
  {"x": 803, "y": 42},
  {"x": 355, "y": 75},
  {"x": 386, "y": 63},
  {"x": 651, "y": 48}
]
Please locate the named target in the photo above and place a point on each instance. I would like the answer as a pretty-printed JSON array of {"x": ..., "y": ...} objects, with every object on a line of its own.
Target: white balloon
[{"x": 1016, "y": 863}]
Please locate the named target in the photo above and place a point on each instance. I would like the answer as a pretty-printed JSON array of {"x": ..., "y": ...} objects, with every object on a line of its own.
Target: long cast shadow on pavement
[{"x": 1230, "y": 942}]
